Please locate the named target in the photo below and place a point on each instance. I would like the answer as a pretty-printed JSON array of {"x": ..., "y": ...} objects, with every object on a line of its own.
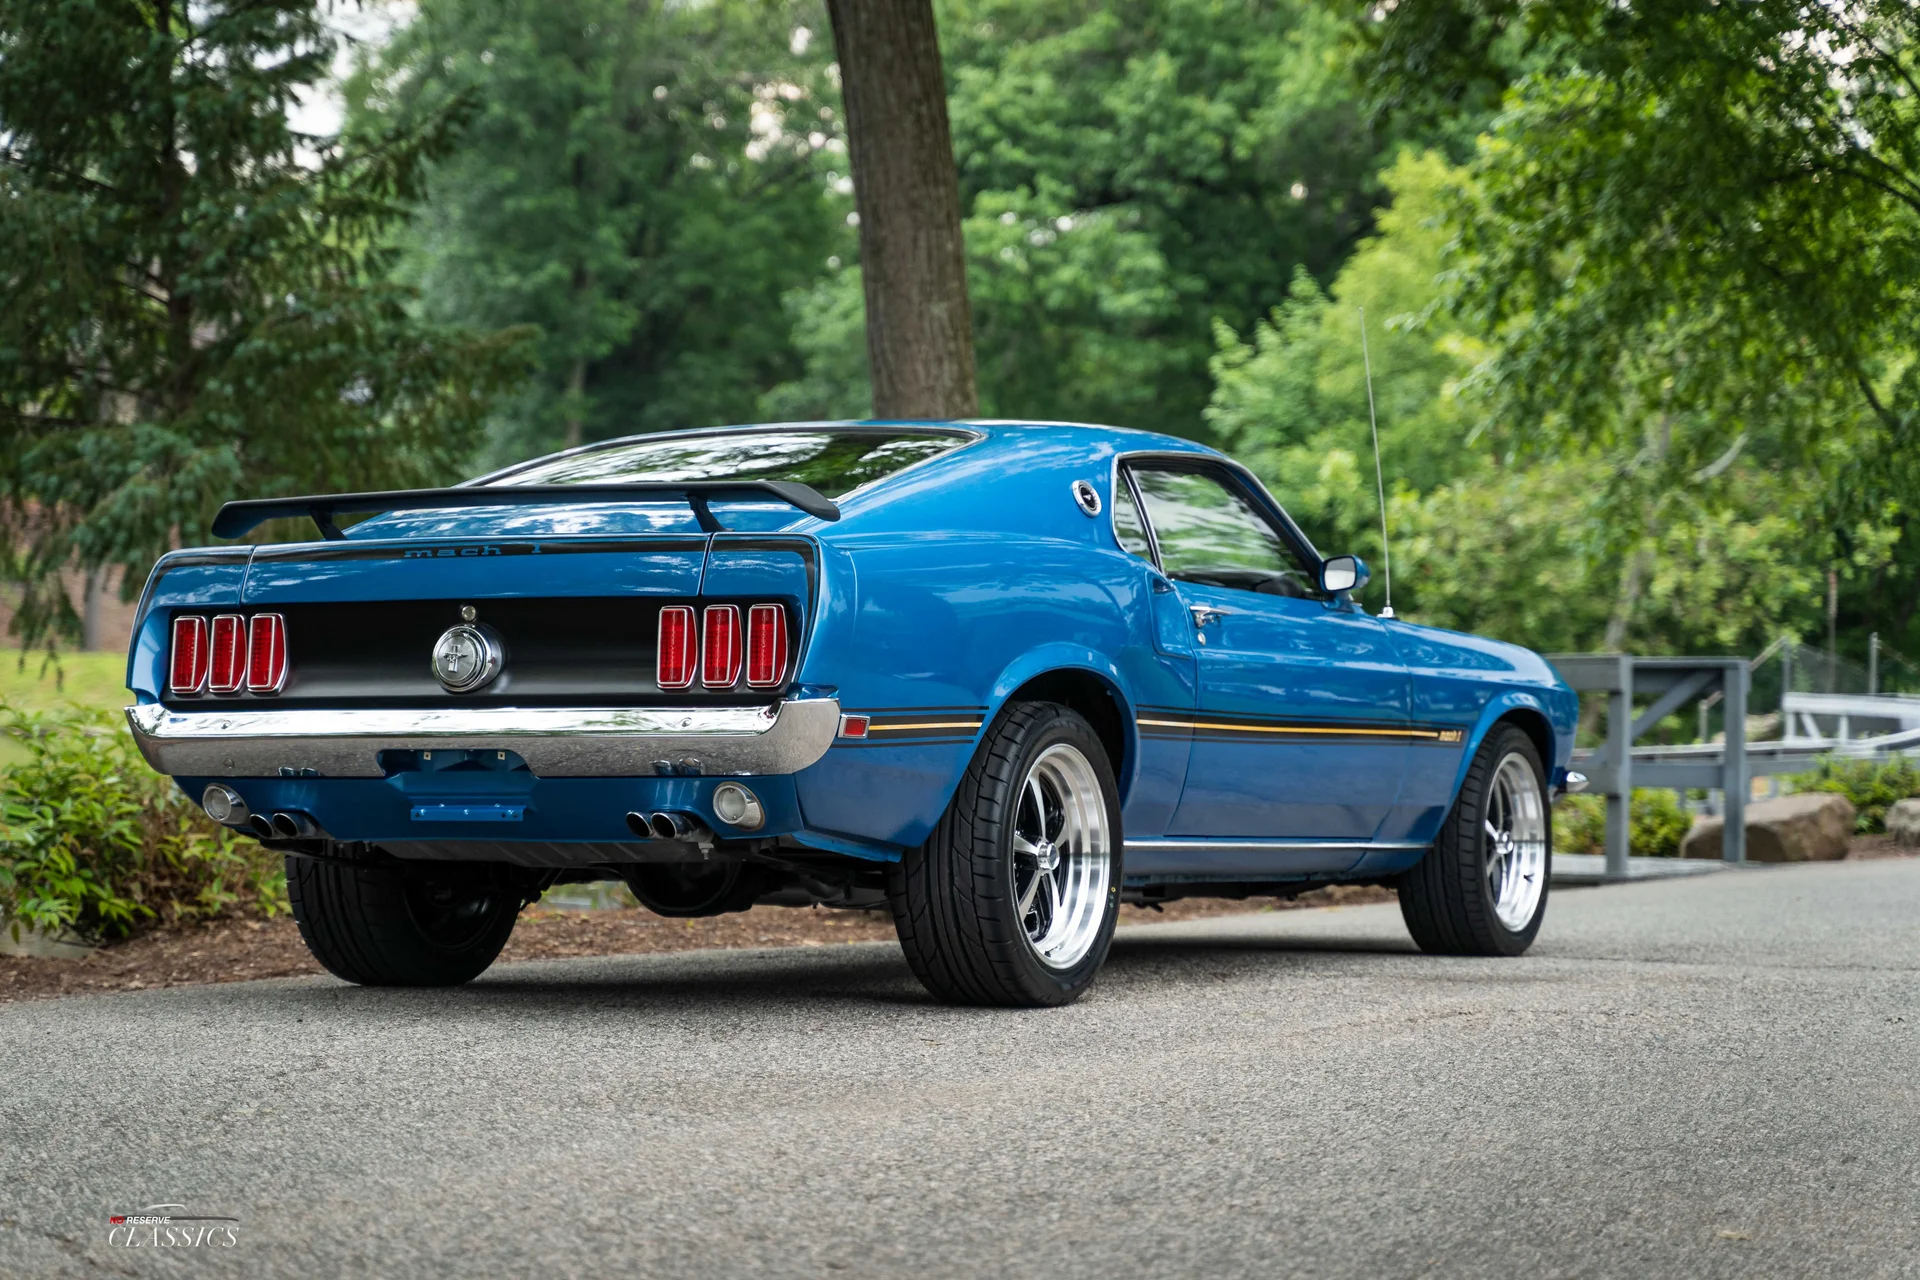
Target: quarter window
[
  {"x": 1129, "y": 530},
  {"x": 1212, "y": 534}
]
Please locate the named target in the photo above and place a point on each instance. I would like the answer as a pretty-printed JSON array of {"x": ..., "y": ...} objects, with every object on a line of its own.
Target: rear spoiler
[{"x": 238, "y": 518}]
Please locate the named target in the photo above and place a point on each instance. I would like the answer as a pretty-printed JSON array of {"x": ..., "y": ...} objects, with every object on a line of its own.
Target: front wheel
[
  {"x": 1482, "y": 890},
  {"x": 1012, "y": 900},
  {"x": 392, "y": 925}
]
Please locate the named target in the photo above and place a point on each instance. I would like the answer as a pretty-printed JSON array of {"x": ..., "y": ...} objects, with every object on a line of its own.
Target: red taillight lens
[
  {"x": 766, "y": 646},
  {"x": 678, "y": 646},
  {"x": 228, "y": 668},
  {"x": 266, "y": 653},
  {"x": 187, "y": 664},
  {"x": 720, "y": 647}
]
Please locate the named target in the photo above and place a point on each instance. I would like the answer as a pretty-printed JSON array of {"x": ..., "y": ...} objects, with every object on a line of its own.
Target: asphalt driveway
[{"x": 1713, "y": 1076}]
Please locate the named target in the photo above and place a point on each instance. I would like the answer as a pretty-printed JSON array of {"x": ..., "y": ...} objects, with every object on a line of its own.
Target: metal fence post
[
  {"x": 1873, "y": 664},
  {"x": 1620, "y": 756},
  {"x": 1733, "y": 836}
]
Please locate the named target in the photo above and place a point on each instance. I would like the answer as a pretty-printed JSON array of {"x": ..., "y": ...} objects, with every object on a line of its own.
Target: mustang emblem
[{"x": 466, "y": 657}]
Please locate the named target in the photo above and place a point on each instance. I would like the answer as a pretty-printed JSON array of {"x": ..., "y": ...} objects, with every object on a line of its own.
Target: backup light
[{"x": 738, "y": 807}]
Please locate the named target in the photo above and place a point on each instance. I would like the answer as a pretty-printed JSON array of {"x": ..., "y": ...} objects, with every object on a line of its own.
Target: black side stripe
[{"x": 1154, "y": 722}]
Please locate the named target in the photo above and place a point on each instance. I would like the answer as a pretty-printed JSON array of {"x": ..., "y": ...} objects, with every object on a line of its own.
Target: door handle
[{"x": 1204, "y": 614}]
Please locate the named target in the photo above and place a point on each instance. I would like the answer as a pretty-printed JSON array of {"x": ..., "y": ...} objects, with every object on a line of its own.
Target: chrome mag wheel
[
  {"x": 1062, "y": 856},
  {"x": 1516, "y": 826}
]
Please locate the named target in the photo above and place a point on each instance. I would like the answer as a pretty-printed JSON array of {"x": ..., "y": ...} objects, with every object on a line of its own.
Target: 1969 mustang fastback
[{"x": 996, "y": 677}]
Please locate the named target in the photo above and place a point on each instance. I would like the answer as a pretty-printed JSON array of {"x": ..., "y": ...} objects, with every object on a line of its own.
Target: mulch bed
[{"x": 242, "y": 950}]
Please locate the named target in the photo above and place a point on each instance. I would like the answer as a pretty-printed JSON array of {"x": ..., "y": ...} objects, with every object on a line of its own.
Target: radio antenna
[{"x": 1379, "y": 482}]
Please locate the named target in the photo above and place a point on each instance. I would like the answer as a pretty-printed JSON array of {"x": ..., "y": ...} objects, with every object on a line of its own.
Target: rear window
[{"x": 834, "y": 462}]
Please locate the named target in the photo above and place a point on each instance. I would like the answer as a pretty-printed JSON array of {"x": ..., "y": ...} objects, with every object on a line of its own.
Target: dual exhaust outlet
[
  {"x": 669, "y": 824},
  {"x": 733, "y": 804},
  {"x": 224, "y": 806}
]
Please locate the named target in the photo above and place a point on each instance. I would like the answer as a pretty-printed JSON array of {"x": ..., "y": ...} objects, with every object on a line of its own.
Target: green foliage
[
  {"x": 1691, "y": 238},
  {"x": 1131, "y": 174},
  {"x": 91, "y": 838},
  {"x": 191, "y": 302},
  {"x": 642, "y": 183},
  {"x": 1872, "y": 786},
  {"x": 1562, "y": 543},
  {"x": 1657, "y": 824}
]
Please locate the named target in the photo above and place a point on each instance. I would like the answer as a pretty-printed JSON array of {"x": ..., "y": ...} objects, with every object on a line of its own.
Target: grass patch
[{"x": 30, "y": 682}]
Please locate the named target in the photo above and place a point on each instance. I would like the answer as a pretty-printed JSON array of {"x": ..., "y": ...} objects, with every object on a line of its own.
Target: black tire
[
  {"x": 389, "y": 925},
  {"x": 954, "y": 898},
  {"x": 1446, "y": 899}
]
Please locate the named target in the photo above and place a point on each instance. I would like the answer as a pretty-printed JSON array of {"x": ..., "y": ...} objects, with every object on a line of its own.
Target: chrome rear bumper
[{"x": 560, "y": 742}]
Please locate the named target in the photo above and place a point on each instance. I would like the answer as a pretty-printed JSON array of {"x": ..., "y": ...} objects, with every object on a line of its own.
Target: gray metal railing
[{"x": 1728, "y": 766}]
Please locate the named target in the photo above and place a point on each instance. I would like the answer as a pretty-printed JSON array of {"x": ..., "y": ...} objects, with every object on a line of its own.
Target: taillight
[
  {"x": 235, "y": 653},
  {"x": 266, "y": 653},
  {"x": 678, "y": 645},
  {"x": 187, "y": 665},
  {"x": 228, "y": 668},
  {"x": 720, "y": 647},
  {"x": 766, "y": 646}
]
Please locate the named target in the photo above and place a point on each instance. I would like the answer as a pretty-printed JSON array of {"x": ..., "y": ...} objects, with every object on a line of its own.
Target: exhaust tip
[
  {"x": 640, "y": 826},
  {"x": 667, "y": 826},
  {"x": 289, "y": 824},
  {"x": 261, "y": 826}
]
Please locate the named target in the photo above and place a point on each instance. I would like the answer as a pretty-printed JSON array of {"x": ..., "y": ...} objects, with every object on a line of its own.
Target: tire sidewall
[
  {"x": 1047, "y": 984},
  {"x": 1510, "y": 740}
]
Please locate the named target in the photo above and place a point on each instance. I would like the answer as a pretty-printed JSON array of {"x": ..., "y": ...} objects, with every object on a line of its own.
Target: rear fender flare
[{"x": 1059, "y": 657}]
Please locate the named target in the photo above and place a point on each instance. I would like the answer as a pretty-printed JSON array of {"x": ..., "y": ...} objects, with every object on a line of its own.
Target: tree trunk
[
  {"x": 576, "y": 392},
  {"x": 907, "y": 195}
]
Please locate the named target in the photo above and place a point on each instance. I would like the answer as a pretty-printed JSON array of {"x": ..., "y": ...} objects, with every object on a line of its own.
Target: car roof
[{"x": 1005, "y": 431}]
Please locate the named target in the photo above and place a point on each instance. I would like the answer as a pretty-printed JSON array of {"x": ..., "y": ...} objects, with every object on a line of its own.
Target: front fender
[{"x": 1498, "y": 708}]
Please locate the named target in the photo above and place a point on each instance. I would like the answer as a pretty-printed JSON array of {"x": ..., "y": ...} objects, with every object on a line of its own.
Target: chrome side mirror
[{"x": 1342, "y": 574}]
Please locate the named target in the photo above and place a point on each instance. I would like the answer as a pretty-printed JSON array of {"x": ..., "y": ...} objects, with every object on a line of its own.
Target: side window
[
  {"x": 1208, "y": 533},
  {"x": 1129, "y": 530}
]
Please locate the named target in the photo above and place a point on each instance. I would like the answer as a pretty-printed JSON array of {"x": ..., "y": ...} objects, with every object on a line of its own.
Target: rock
[
  {"x": 1815, "y": 826},
  {"x": 18, "y": 939},
  {"x": 1903, "y": 822}
]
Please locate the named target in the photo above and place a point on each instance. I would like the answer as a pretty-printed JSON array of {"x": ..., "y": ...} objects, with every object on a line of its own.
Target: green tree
[
  {"x": 192, "y": 305},
  {"x": 643, "y": 183},
  {"x": 1691, "y": 237},
  {"x": 1568, "y": 542},
  {"x": 1131, "y": 172}
]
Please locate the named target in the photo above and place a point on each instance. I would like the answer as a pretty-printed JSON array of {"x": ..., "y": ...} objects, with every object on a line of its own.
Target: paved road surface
[{"x": 1712, "y": 1077}]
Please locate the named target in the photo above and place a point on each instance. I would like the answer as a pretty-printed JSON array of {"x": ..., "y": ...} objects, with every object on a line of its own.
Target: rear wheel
[
  {"x": 392, "y": 925},
  {"x": 1482, "y": 890},
  {"x": 1012, "y": 900}
]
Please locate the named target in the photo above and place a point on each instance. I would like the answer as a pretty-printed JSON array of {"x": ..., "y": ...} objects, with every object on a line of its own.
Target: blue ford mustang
[{"x": 998, "y": 677}]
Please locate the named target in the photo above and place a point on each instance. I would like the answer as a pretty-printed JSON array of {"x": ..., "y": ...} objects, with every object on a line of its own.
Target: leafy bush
[
  {"x": 92, "y": 838},
  {"x": 1658, "y": 823},
  {"x": 1873, "y": 785}
]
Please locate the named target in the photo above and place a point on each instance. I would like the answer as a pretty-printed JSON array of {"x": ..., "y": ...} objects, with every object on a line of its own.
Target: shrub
[
  {"x": 92, "y": 839},
  {"x": 1657, "y": 821},
  {"x": 1873, "y": 786}
]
